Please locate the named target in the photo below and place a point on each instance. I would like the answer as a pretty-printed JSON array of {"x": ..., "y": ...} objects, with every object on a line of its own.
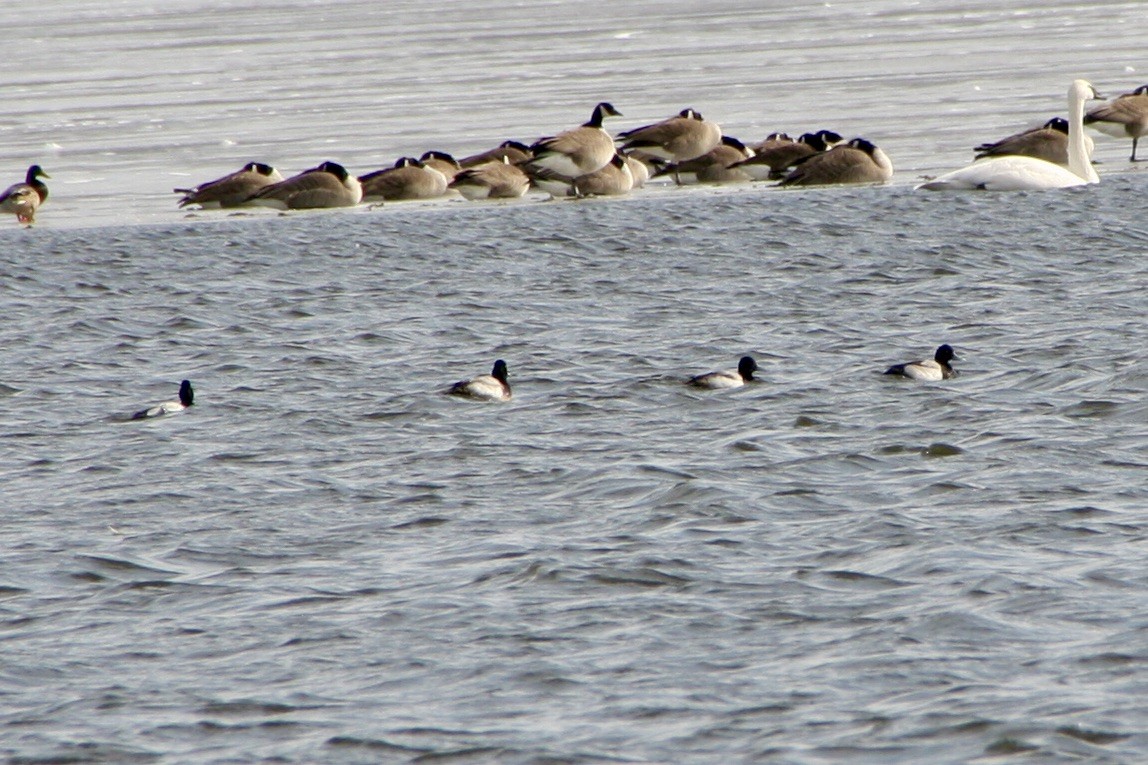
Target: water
[{"x": 326, "y": 560}]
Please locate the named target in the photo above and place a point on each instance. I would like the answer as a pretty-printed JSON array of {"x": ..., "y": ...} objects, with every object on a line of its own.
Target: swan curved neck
[{"x": 1078, "y": 160}]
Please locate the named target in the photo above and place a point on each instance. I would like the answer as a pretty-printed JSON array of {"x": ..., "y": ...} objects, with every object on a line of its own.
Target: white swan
[{"x": 1015, "y": 173}]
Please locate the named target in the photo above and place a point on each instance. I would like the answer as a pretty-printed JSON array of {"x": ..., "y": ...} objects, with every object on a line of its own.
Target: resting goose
[
  {"x": 858, "y": 161},
  {"x": 493, "y": 180},
  {"x": 328, "y": 185},
  {"x": 612, "y": 180},
  {"x": 231, "y": 190},
  {"x": 513, "y": 152},
  {"x": 1048, "y": 142},
  {"x": 410, "y": 178},
  {"x": 776, "y": 157}
]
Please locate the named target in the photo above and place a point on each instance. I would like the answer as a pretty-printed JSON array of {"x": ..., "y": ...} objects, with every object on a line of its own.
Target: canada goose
[
  {"x": 613, "y": 179},
  {"x": 443, "y": 162},
  {"x": 1124, "y": 117},
  {"x": 1015, "y": 173},
  {"x": 1048, "y": 142},
  {"x": 410, "y": 178},
  {"x": 677, "y": 139},
  {"x": 730, "y": 378},
  {"x": 771, "y": 141},
  {"x": 936, "y": 368},
  {"x": 491, "y": 387},
  {"x": 715, "y": 166},
  {"x": 513, "y": 152},
  {"x": 639, "y": 170},
  {"x": 231, "y": 190},
  {"x": 494, "y": 180},
  {"x": 23, "y": 199},
  {"x": 776, "y": 157},
  {"x": 858, "y": 161},
  {"x": 328, "y": 185},
  {"x": 582, "y": 150},
  {"x": 186, "y": 399}
]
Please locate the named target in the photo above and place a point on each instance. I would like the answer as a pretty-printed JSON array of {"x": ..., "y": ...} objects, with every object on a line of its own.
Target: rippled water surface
[{"x": 327, "y": 560}]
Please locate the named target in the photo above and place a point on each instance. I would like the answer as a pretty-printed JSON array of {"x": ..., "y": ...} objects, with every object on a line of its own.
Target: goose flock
[{"x": 686, "y": 148}]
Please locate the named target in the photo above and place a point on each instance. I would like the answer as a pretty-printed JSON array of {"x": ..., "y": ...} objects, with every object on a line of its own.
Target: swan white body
[{"x": 1016, "y": 173}]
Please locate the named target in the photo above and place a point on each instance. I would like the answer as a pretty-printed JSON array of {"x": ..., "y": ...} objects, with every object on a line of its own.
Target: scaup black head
[
  {"x": 186, "y": 394},
  {"x": 746, "y": 367},
  {"x": 944, "y": 354},
  {"x": 499, "y": 372}
]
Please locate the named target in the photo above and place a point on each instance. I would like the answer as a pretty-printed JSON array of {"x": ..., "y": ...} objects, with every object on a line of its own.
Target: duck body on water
[
  {"x": 929, "y": 370},
  {"x": 492, "y": 387},
  {"x": 185, "y": 400}
]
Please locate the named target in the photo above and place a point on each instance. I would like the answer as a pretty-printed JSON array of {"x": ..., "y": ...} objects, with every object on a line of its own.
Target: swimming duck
[
  {"x": 931, "y": 370},
  {"x": 23, "y": 199},
  {"x": 186, "y": 399},
  {"x": 491, "y": 387},
  {"x": 730, "y": 378},
  {"x": 231, "y": 190}
]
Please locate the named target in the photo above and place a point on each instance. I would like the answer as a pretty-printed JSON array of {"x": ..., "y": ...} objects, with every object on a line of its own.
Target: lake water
[{"x": 326, "y": 560}]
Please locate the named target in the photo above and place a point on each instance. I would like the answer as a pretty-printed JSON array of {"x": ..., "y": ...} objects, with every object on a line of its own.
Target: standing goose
[
  {"x": 930, "y": 370},
  {"x": 858, "y": 161},
  {"x": 1124, "y": 117},
  {"x": 1048, "y": 142},
  {"x": 23, "y": 199},
  {"x": 491, "y": 387},
  {"x": 1015, "y": 173},
  {"x": 410, "y": 178},
  {"x": 328, "y": 185},
  {"x": 494, "y": 180},
  {"x": 677, "y": 139},
  {"x": 776, "y": 157},
  {"x": 231, "y": 190},
  {"x": 579, "y": 151},
  {"x": 186, "y": 399}
]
